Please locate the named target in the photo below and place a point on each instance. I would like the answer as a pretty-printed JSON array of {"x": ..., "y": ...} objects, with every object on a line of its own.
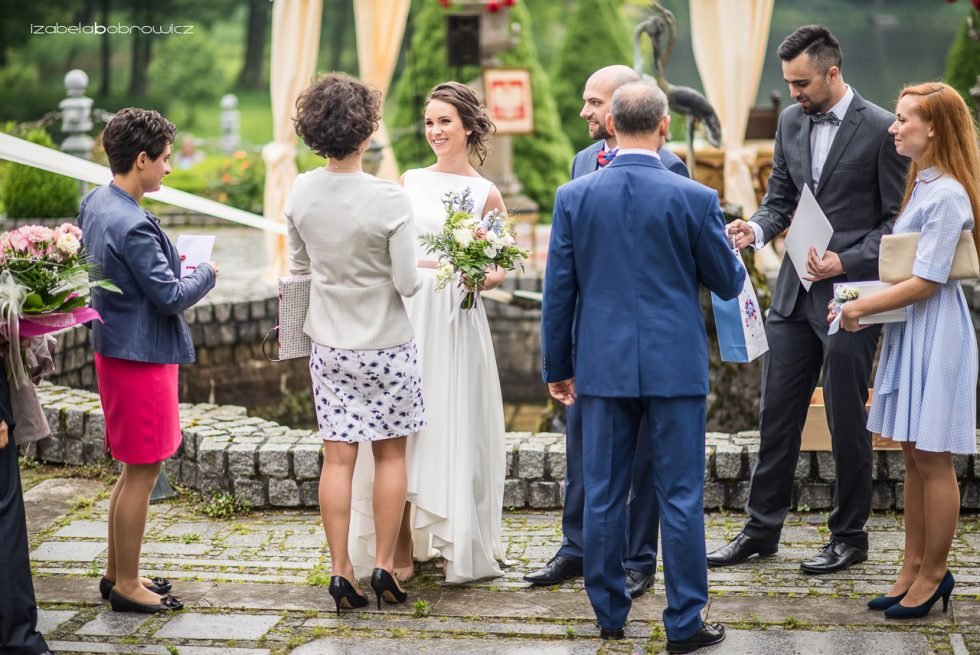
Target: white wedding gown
[{"x": 456, "y": 463}]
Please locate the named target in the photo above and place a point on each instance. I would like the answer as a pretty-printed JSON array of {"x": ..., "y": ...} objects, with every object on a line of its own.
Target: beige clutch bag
[{"x": 897, "y": 256}]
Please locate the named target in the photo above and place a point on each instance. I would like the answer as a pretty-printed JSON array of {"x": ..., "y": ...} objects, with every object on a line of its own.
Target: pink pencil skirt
[{"x": 139, "y": 399}]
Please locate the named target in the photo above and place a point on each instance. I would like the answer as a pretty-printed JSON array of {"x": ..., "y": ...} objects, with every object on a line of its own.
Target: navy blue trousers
[
  {"x": 18, "y": 607},
  {"x": 642, "y": 516},
  {"x": 673, "y": 429}
]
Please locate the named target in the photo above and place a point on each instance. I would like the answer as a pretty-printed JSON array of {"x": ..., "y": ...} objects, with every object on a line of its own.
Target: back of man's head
[
  {"x": 820, "y": 45},
  {"x": 638, "y": 108}
]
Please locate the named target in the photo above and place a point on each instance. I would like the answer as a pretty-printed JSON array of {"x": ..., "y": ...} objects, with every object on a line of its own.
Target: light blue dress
[{"x": 926, "y": 385}]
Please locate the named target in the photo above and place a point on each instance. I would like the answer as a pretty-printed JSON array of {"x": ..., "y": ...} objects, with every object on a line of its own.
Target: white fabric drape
[
  {"x": 380, "y": 26},
  {"x": 729, "y": 39},
  {"x": 295, "y": 44},
  {"x": 31, "y": 154}
]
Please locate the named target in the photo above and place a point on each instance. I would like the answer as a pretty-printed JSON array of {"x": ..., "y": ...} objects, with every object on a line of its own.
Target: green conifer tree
[
  {"x": 596, "y": 36},
  {"x": 963, "y": 61},
  {"x": 542, "y": 160}
]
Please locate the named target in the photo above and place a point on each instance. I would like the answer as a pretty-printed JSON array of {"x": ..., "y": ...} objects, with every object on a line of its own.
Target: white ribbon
[
  {"x": 12, "y": 297},
  {"x": 459, "y": 292}
]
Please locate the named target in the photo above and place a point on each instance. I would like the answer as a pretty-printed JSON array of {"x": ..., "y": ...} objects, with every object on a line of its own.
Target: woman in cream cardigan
[{"x": 354, "y": 234}]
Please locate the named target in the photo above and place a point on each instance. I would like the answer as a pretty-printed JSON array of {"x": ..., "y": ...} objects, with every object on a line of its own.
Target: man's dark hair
[
  {"x": 638, "y": 108},
  {"x": 132, "y": 131},
  {"x": 820, "y": 46},
  {"x": 336, "y": 114}
]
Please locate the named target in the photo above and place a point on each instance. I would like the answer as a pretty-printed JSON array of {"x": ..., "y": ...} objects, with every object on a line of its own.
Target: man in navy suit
[
  {"x": 622, "y": 283},
  {"x": 641, "y": 539},
  {"x": 18, "y": 605}
]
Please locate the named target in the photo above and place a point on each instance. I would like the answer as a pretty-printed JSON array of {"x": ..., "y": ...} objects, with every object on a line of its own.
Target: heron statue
[{"x": 661, "y": 29}]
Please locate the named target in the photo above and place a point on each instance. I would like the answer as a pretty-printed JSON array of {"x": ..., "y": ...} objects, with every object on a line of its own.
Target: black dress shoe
[
  {"x": 740, "y": 549},
  {"x": 557, "y": 570},
  {"x": 708, "y": 634},
  {"x": 158, "y": 586},
  {"x": 120, "y": 603},
  {"x": 638, "y": 582},
  {"x": 835, "y": 556},
  {"x": 611, "y": 633}
]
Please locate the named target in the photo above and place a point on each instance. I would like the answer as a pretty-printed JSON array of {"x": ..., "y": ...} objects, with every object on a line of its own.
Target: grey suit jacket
[
  {"x": 860, "y": 190},
  {"x": 585, "y": 161}
]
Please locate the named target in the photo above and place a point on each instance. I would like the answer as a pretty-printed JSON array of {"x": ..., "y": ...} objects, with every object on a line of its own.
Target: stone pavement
[{"x": 256, "y": 584}]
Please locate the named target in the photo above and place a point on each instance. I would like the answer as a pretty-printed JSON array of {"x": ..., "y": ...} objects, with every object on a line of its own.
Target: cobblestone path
[{"x": 256, "y": 584}]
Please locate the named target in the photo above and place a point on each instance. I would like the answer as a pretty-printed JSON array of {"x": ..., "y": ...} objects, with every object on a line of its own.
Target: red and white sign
[{"x": 509, "y": 100}]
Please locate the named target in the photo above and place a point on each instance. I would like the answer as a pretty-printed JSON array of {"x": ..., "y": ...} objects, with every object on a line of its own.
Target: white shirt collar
[
  {"x": 638, "y": 151},
  {"x": 842, "y": 105}
]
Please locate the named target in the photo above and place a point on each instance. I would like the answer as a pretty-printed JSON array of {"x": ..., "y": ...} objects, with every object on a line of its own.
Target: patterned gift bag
[{"x": 741, "y": 333}]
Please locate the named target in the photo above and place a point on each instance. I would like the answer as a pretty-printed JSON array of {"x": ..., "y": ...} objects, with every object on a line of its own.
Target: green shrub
[
  {"x": 963, "y": 60},
  {"x": 240, "y": 182},
  {"x": 29, "y": 192},
  {"x": 542, "y": 160},
  {"x": 185, "y": 69}
]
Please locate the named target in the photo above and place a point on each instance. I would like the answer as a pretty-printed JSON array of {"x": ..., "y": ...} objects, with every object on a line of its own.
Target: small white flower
[
  {"x": 490, "y": 252},
  {"x": 507, "y": 240},
  {"x": 444, "y": 272},
  {"x": 68, "y": 243},
  {"x": 463, "y": 236}
]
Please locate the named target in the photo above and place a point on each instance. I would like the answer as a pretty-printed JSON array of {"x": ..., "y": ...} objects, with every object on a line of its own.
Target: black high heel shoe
[
  {"x": 384, "y": 586},
  {"x": 344, "y": 595},
  {"x": 884, "y": 602},
  {"x": 944, "y": 590}
]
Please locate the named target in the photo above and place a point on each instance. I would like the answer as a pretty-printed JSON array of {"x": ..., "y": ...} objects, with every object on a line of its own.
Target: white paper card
[
  {"x": 810, "y": 227},
  {"x": 868, "y": 288},
  {"x": 194, "y": 249}
]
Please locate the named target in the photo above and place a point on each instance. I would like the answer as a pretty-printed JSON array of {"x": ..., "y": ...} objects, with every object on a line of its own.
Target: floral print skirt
[{"x": 366, "y": 395}]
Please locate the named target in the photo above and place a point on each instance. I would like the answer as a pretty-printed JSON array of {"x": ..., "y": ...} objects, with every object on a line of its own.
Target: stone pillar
[
  {"x": 496, "y": 37},
  {"x": 230, "y": 138},
  {"x": 76, "y": 115}
]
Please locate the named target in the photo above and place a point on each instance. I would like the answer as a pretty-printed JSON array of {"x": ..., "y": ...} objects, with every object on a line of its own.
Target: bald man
[{"x": 643, "y": 518}]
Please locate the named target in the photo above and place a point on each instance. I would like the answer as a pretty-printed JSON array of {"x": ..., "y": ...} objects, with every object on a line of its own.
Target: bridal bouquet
[
  {"x": 45, "y": 284},
  {"x": 467, "y": 246}
]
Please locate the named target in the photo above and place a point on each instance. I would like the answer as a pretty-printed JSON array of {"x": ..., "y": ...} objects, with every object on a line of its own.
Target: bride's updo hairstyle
[{"x": 471, "y": 113}]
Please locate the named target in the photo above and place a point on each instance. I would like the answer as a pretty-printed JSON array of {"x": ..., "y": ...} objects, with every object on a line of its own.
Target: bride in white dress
[{"x": 456, "y": 464}]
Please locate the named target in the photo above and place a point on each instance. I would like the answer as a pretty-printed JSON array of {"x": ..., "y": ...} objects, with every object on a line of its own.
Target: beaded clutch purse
[{"x": 294, "y": 302}]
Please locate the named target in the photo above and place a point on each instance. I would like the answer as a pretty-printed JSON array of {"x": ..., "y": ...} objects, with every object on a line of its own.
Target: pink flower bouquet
[{"x": 45, "y": 284}]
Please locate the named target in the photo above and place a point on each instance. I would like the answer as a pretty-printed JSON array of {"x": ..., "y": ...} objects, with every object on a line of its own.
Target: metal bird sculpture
[{"x": 661, "y": 29}]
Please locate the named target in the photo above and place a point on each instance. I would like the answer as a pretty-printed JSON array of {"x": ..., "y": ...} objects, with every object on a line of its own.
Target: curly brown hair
[
  {"x": 335, "y": 115},
  {"x": 132, "y": 131},
  {"x": 471, "y": 113}
]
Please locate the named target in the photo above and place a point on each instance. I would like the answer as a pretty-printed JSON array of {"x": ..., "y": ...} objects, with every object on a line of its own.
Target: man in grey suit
[
  {"x": 838, "y": 144},
  {"x": 643, "y": 518}
]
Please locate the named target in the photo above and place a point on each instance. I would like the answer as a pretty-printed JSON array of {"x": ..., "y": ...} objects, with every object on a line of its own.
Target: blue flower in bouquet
[{"x": 467, "y": 246}]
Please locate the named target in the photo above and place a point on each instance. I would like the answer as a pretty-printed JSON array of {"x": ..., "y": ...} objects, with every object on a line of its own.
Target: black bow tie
[{"x": 829, "y": 117}]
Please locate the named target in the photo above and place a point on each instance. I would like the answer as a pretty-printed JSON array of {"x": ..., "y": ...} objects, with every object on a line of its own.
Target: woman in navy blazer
[{"x": 141, "y": 341}]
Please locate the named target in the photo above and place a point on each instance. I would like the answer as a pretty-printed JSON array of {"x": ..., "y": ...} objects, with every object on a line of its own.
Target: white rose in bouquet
[
  {"x": 463, "y": 236},
  {"x": 68, "y": 244}
]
